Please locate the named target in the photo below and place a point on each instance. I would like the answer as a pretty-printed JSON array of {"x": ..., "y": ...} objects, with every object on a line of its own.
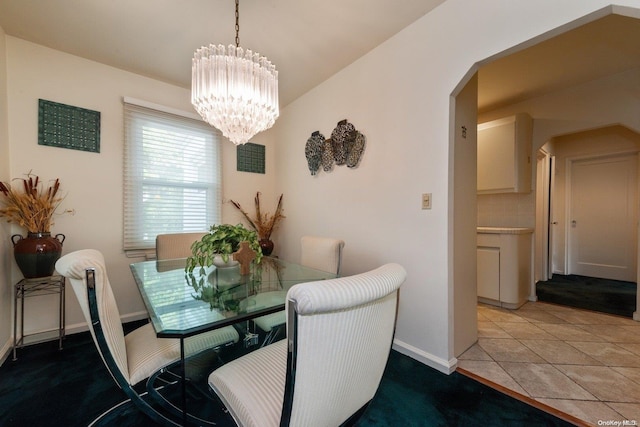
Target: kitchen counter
[{"x": 505, "y": 230}]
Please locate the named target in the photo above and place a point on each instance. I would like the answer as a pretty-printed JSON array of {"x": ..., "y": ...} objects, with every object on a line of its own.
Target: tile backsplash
[{"x": 507, "y": 210}]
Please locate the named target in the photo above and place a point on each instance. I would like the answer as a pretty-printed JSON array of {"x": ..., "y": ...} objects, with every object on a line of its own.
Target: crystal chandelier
[{"x": 234, "y": 90}]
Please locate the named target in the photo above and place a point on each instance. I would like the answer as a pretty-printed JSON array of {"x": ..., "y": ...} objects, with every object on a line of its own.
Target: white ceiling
[
  {"x": 607, "y": 46},
  {"x": 307, "y": 40}
]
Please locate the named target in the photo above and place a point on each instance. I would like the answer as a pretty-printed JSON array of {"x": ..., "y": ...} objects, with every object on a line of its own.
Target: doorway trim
[{"x": 454, "y": 281}]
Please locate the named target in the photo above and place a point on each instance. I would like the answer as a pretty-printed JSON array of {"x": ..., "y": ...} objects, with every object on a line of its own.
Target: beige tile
[
  {"x": 482, "y": 317},
  {"x": 609, "y": 344},
  {"x": 581, "y": 317},
  {"x": 492, "y": 372},
  {"x": 628, "y": 411},
  {"x": 533, "y": 306},
  {"x": 632, "y": 373},
  {"x": 609, "y": 354},
  {"x": 630, "y": 333},
  {"x": 588, "y": 411},
  {"x": 615, "y": 333},
  {"x": 619, "y": 320},
  {"x": 569, "y": 332},
  {"x": 540, "y": 316},
  {"x": 497, "y": 314},
  {"x": 559, "y": 352},
  {"x": 491, "y": 330},
  {"x": 525, "y": 331},
  {"x": 545, "y": 381},
  {"x": 610, "y": 319},
  {"x": 546, "y": 306},
  {"x": 604, "y": 383},
  {"x": 632, "y": 347},
  {"x": 475, "y": 352},
  {"x": 508, "y": 350}
]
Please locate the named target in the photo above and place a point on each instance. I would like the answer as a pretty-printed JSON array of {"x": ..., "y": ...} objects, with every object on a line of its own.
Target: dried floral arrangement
[
  {"x": 263, "y": 223},
  {"x": 29, "y": 204}
]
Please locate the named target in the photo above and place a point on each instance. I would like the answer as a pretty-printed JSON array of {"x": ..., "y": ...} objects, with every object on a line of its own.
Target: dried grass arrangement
[
  {"x": 263, "y": 223},
  {"x": 29, "y": 204}
]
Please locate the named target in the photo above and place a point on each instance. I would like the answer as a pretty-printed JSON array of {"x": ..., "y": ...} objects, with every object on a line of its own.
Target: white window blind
[{"x": 172, "y": 180}]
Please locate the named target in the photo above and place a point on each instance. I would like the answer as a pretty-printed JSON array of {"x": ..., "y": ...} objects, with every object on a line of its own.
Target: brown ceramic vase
[{"x": 36, "y": 254}]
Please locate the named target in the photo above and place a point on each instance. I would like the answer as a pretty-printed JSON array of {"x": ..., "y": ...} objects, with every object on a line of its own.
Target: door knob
[{"x": 573, "y": 223}]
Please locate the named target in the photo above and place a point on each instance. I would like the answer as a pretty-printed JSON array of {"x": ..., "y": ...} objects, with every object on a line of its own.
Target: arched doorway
[{"x": 548, "y": 97}]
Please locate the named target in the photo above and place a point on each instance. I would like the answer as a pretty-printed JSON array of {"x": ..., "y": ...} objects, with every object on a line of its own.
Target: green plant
[{"x": 223, "y": 240}]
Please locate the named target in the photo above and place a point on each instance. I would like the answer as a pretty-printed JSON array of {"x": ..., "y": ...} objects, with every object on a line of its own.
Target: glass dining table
[{"x": 182, "y": 304}]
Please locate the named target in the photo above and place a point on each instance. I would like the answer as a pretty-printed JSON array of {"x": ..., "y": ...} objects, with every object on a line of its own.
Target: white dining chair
[
  {"x": 176, "y": 245},
  {"x": 326, "y": 372},
  {"x": 136, "y": 356},
  {"x": 320, "y": 253}
]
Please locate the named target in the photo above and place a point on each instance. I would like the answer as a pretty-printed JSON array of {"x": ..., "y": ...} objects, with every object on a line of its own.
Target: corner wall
[
  {"x": 92, "y": 182},
  {"x": 398, "y": 95},
  {"x": 5, "y": 245}
]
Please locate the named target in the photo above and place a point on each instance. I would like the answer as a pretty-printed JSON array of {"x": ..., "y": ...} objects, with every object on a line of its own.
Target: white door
[{"x": 602, "y": 217}]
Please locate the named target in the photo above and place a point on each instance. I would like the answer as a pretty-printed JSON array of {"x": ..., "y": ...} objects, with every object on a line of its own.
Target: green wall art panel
[
  {"x": 250, "y": 158},
  {"x": 66, "y": 126}
]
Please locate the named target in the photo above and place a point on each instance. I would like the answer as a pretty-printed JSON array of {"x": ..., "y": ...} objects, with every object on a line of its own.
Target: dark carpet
[
  {"x": 590, "y": 293},
  {"x": 71, "y": 387}
]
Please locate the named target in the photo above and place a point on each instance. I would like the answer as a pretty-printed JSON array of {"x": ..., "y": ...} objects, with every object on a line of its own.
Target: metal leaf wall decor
[
  {"x": 345, "y": 146},
  {"x": 313, "y": 151}
]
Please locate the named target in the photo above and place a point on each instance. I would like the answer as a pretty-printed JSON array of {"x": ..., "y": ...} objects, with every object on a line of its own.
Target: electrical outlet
[{"x": 426, "y": 201}]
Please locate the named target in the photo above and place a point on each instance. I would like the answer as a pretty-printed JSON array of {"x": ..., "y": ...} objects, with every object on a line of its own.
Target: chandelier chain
[{"x": 237, "y": 23}]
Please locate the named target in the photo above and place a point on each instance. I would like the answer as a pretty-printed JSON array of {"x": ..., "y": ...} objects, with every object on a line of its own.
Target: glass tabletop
[{"x": 182, "y": 304}]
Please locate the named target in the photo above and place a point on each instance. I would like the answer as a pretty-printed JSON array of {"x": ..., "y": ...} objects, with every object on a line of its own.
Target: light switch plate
[{"x": 426, "y": 201}]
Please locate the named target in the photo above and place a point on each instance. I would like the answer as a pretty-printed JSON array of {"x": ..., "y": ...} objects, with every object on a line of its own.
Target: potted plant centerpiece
[
  {"x": 263, "y": 223},
  {"x": 31, "y": 206},
  {"x": 217, "y": 246}
]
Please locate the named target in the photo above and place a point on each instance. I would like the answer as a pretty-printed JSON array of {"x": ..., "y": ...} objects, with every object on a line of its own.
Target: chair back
[
  {"x": 321, "y": 253},
  {"x": 339, "y": 339},
  {"x": 74, "y": 267},
  {"x": 177, "y": 245}
]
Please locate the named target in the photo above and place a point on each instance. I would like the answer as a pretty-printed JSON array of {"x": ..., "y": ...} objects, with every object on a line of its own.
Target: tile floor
[{"x": 582, "y": 363}]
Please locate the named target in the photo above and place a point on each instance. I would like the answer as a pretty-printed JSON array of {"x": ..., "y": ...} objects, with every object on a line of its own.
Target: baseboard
[
  {"x": 442, "y": 365},
  {"x": 50, "y": 335},
  {"x": 636, "y": 316},
  {"x": 6, "y": 350},
  {"x": 82, "y": 326}
]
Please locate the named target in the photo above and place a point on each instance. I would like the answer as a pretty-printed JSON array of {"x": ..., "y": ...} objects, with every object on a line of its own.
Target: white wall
[
  {"x": 5, "y": 245},
  {"x": 92, "y": 181},
  {"x": 463, "y": 166},
  {"x": 398, "y": 95}
]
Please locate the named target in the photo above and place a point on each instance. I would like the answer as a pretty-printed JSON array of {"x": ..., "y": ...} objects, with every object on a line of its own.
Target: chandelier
[{"x": 234, "y": 90}]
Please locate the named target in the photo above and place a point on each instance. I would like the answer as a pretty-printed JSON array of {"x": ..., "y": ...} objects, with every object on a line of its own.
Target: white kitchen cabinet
[
  {"x": 504, "y": 265},
  {"x": 504, "y": 155},
  {"x": 489, "y": 273}
]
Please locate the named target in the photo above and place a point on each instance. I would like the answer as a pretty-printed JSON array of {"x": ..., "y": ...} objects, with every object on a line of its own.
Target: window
[{"x": 172, "y": 178}]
